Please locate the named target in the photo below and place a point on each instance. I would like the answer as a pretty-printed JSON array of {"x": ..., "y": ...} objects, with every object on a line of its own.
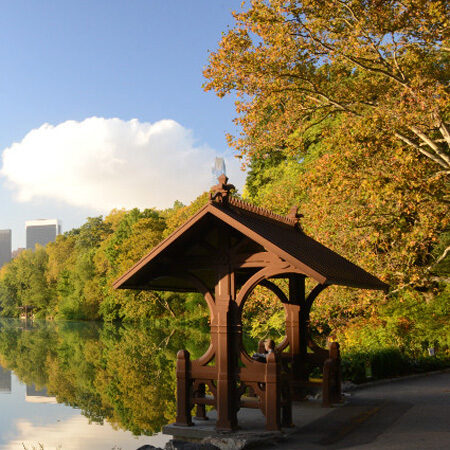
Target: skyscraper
[
  {"x": 41, "y": 231},
  {"x": 5, "y": 246},
  {"x": 218, "y": 169}
]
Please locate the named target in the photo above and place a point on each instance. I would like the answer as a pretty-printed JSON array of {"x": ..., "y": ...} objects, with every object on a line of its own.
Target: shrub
[{"x": 386, "y": 363}]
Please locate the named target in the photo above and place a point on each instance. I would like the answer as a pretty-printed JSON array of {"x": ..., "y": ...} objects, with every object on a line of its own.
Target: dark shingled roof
[
  {"x": 335, "y": 268},
  {"x": 277, "y": 234}
]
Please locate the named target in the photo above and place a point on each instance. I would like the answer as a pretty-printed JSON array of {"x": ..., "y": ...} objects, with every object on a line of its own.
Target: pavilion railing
[{"x": 268, "y": 386}]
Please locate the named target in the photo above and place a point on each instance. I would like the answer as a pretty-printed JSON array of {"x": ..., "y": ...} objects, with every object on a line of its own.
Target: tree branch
[
  {"x": 333, "y": 102},
  {"x": 421, "y": 150},
  {"x": 328, "y": 114},
  {"x": 431, "y": 144},
  {"x": 394, "y": 55},
  {"x": 424, "y": 137},
  {"x": 354, "y": 60},
  {"x": 164, "y": 303},
  {"x": 399, "y": 289},
  {"x": 441, "y": 258},
  {"x": 444, "y": 131}
]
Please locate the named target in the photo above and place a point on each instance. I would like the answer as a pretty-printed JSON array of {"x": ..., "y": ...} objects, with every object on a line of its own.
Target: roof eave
[{"x": 117, "y": 284}]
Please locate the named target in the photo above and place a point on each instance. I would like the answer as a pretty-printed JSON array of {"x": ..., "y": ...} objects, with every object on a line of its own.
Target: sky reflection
[{"x": 56, "y": 426}]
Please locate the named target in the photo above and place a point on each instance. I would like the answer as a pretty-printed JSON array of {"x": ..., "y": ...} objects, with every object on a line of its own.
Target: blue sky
[{"x": 74, "y": 60}]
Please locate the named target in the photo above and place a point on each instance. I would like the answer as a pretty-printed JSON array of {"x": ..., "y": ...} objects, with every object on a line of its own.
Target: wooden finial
[{"x": 220, "y": 192}]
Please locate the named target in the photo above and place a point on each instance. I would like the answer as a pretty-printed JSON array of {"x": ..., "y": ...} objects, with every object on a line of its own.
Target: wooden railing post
[
  {"x": 332, "y": 378},
  {"x": 201, "y": 409},
  {"x": 273, "y": 391},
  {"x": 183, "y": 390},
  {"x": 337, "y": 388},
  {"x": 286, "y": 409}
]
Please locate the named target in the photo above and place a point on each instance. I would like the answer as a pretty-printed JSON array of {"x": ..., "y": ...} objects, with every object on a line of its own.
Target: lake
[{"x": 71, "y": 385}]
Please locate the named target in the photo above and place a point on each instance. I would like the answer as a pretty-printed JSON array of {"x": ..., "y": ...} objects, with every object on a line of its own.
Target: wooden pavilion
[{"x": 224, "y": 251}]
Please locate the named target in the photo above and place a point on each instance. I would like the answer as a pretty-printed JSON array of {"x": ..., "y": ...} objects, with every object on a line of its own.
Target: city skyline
[
  {"x": 72, "y": 88},
  {"x": 7, "y": 235}
]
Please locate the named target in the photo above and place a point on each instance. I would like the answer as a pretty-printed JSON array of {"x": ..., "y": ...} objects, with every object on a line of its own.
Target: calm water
[{"x": 89, "y": 386}]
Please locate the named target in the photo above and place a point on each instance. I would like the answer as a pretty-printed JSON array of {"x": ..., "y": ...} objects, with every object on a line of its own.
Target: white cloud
[{"x": 110, "y": 163}]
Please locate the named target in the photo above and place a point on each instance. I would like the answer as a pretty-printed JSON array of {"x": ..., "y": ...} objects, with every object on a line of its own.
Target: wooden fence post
[{"x": 183, "y": 390}]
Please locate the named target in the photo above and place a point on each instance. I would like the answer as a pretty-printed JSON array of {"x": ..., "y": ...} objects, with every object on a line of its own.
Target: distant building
[
  {"x": 38, "y": 396},
  {"x": 41, "y": 231},
  {"x": 5, "y": 246},
  {"x": 218, "y": 169}
]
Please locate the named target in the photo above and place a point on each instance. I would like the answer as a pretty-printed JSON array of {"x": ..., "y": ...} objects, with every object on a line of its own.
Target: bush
[{"x": 386, "y": 363}]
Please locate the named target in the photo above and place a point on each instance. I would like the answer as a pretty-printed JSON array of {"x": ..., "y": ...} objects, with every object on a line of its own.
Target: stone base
[
  {"x": 207, "y": 436},
  {"x": 251, "y": 432}
]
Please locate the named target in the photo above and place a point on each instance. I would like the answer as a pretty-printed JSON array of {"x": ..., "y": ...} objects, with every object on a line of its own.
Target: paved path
[{"x": 408, "y": 414}]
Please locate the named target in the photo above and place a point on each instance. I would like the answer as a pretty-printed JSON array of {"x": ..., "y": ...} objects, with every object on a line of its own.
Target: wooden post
[
  {"x": 335, "y": 354},
  {"x": 286, "y": 409},
  {"x": 332, "y": 379},
  {"x": 200, "y": 413},
  {"x": 272, "y": 397},
  {"x": 326, "y": 381},
  {"x": 183, "y": 418},
  {"x": 226, "y": 356},
  {"x": 296, "y": 323}
]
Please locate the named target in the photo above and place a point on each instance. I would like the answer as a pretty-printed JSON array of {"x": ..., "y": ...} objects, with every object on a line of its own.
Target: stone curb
[{"x": 359, "y": 387}]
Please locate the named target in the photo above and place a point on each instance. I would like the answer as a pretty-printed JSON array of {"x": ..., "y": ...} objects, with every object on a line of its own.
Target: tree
[
  {"x": 23, "y": 283},
  {"x": 371, "y": 200},
  {"x": 9, "y": 301},
  {"x": 343, "y": 108},
  {"x": 293, "y": 64}
]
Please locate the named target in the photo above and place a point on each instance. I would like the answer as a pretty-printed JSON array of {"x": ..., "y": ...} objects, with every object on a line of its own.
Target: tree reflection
[{"x": 124, "y": 374}]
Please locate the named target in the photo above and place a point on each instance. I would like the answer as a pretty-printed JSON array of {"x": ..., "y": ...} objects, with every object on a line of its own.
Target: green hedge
[{"x": 359, "y": 367}]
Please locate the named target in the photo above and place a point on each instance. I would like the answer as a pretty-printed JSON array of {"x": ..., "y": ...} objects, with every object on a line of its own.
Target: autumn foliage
[
  {"x": 342, "y": 108},
  {"x": 293, "y": 64}
]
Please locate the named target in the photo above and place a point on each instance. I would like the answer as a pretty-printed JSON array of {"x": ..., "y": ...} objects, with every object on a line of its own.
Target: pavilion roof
[{"x": 278, "y": 235}]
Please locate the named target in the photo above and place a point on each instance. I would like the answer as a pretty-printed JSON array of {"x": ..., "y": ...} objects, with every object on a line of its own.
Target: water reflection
[
  {"x": 119, "y": 377},
  {"x": 34, "y": 395},
  {"x": 5, "y": 381}
]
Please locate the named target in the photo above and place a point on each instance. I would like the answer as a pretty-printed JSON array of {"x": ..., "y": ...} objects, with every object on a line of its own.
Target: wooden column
[
  {"x": 226, "y": 355},
  {"x": 297, "y": 320}
]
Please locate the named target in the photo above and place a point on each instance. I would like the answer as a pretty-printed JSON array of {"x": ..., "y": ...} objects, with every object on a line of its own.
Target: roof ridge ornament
[
  {"x": 295, "y": 216},
  {"x": 220, "y": 193}
]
